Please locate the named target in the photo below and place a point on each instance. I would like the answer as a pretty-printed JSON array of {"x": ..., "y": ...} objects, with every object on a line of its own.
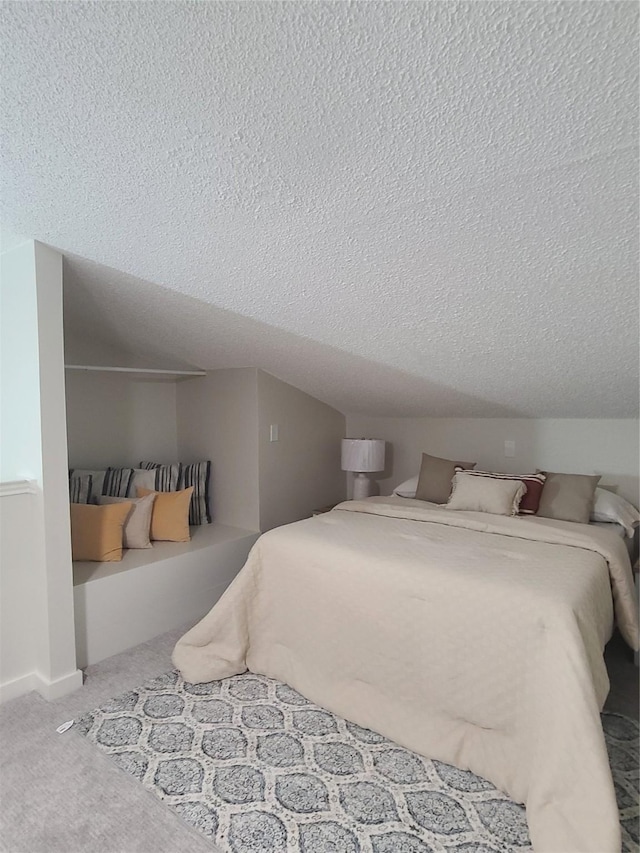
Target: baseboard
[
  {"x": 18, "y": 687},
  {"x": 49, "y": 690}
]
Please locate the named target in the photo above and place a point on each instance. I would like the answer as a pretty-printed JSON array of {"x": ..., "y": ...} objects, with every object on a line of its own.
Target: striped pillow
[
  {"x": 167, "y": 476},
  {"x": 97, "y": 479},
  {"x": 197, "y": 475},
  {"x": 117, "y": 481},
  {"x": 80, "y": 489},
  {"x": 534, "y": 482}
]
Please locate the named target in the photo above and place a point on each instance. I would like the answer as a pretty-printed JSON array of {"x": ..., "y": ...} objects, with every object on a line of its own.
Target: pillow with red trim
[{"x": 534, "y": 483}]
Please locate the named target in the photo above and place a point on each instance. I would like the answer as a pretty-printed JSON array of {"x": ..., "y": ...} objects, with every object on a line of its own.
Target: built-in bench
[{"x": 150, "y": 591}]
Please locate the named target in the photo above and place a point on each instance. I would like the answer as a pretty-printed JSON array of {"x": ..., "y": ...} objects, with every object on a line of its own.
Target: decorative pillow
[
  {"x": 167, "y": 476},
  {"x": 435, "y": 478},
  {"x": 170, "y": 517},
  {"x": 116, "y": 482},
  {"x": 137, "y": 525},
  {"x": 611, "y": 507},
  {"x": 143, "y": 477},
  {"x": 476, "y": 492},
  {"x": 407, "y": 489},
  {"x": 97, "y": 479},
  {"x": 96, "y": 531},
  {"x": 80, "y": 489},
  {"x": 534, "y": 485},
  {"x": 568, "y": 497},
  {"x": 197, "y": 475}
]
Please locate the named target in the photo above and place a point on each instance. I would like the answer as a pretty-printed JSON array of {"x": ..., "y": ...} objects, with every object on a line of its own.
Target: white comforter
[{"x": 470, "y": 638}]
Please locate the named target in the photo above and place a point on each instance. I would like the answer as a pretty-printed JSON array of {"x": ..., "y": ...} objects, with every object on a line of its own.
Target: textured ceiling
[{"x": 409, "y": 208}]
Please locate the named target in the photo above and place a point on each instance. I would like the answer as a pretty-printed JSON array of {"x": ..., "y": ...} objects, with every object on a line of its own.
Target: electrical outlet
[
  {"x": 273, "y": 432},
  {"x": 510, "y": 448}
]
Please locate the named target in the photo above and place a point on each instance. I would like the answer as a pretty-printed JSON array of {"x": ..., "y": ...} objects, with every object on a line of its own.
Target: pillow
[
  {"x": 476, "y": 492},
  {"x": 407, "y": 489},
  {"x": 534, "y": 484},
  {"x": 116, "y": 482},
  {"x": 568, "y": 497},
  {"x": 170, "y": 517},
  {"x": 167, "y": 476},
  {"x": 144, "y": 478},
  {"x": 197, "y": 475},
  {"x": 80, "y": 489},
  {"x": 96, "y": 531},
  {"x": 435, "y": 478},
  {"x": 97, "y": 479},
  {"x": 138, "y": 523},
  {"x": 611, "y": 507}
]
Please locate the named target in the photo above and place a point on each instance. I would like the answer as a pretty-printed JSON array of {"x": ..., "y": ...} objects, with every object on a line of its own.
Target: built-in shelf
[{"x": 150, "y": 371}]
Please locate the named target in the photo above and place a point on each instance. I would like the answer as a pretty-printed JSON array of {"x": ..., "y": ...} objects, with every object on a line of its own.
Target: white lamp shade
[{"x": 362, "y": 454}]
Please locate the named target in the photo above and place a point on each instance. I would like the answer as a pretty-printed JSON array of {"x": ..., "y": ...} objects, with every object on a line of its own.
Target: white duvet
[{"x": 470, "y": 638}]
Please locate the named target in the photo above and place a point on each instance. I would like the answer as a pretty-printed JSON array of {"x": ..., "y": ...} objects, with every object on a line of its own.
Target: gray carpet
[{"x": 61, "y": 795}]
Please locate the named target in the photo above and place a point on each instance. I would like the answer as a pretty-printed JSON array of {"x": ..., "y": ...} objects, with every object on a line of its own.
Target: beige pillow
[
  {"x": 138, "y": 523},
  {"x": 170, "y": 517},
  {"x": 484, "y": 494},
  {"x": 435, "y": 478},
  {"x": 568, "y": 497},
  {"x": 96, "y": 531}
]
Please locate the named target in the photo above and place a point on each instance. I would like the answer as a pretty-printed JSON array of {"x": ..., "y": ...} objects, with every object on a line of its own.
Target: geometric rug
[{"x": 256, "y": 768}]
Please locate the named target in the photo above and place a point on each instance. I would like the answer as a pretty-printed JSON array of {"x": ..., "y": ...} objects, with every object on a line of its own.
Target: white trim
[
  {"x": 151, "y": 370},
  {"x": 18, "y": 687},
  {"x": 49, "y": 690},
  {"x": 18, "y": 487}
]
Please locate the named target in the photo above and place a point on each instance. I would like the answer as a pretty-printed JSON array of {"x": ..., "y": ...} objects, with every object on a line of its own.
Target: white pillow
[
  {"x": 611, "y": 507},
  {"x": 475, "y": 493},
  {"x": 407, "y": 489}
]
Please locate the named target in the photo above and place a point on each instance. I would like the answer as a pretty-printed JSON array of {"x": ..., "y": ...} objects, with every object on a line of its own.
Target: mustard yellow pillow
[
  {"x": 170, "y": 517},
  {"x": 96, "y": 531}
]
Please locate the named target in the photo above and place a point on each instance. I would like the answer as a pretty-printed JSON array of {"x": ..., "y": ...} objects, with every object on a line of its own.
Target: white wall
[
  {"x": 606, "y": 447},
  {"x": 37, "y": 588},
  {"x": 218, "y": 420},
  {"x": 300, "y": 471},
  {"x": 114, "y": 419},
  {"x": 20, "y": 449},
  {"x": 19, "y": 553}
]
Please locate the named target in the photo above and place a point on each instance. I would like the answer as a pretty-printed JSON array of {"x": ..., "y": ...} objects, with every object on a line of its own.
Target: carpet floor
[{"x": 59, "y": 794}]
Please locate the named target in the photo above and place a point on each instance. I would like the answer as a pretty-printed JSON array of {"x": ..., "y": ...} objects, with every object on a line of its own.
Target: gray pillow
[
  {"x": 435, "y": 478},
  {"x": 135, "y": 533},
  {"x": 568, "y": 497}
]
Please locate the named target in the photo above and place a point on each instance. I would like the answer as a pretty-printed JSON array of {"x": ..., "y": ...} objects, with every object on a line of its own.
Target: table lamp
[{"x": 362, "y": 456}]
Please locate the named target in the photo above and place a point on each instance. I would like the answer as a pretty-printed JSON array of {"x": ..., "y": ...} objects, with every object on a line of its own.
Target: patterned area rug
[{"x": 257, "y": 768}]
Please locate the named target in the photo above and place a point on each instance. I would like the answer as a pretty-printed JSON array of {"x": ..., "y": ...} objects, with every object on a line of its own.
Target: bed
[{"x": 471, "y": 638}]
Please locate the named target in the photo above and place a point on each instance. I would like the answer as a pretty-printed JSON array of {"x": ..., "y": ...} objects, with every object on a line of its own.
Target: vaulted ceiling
[{"x": 401, "y": 208}]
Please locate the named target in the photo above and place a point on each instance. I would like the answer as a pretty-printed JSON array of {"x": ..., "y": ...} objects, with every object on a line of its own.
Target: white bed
[{"x": 470, "y": 638}]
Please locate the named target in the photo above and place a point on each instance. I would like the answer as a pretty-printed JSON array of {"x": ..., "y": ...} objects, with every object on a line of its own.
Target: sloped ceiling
[{"x": 401, "y": 208}]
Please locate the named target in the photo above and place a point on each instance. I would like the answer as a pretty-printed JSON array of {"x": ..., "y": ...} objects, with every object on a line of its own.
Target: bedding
[
  {"x": 470, "y": 638},
  {"x": 436, "y": 477},
  {"x": 480, "y": 492},
  {"x": 568, "y": 497},
  {"x": 609, "y": 507}
]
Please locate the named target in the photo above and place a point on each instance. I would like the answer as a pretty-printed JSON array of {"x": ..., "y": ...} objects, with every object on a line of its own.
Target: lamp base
[{"x": 361, "y": 487}]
